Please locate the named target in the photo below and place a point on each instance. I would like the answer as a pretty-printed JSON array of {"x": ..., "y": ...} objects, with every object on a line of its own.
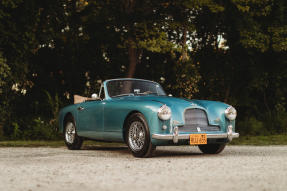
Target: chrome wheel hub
[
  {"x": 70, "y": 133},
  {"x": 136, "y": 136}
]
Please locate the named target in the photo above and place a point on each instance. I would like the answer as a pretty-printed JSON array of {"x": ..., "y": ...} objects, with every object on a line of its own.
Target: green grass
[
  {"x": 52, "y": 144},
  {"x": 261, "y": 140},
  {"x": 242, "y": 140},
  {"x": 31, "y": 143}
]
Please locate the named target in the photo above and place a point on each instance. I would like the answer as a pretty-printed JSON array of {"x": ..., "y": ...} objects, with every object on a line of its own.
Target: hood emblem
[
  {"x": 192, "y": 104},
  {"x": 198, "y": 129}
]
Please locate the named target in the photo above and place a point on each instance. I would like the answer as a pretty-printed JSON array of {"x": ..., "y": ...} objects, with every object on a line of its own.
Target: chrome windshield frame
[{"x": 123, "y": 79}]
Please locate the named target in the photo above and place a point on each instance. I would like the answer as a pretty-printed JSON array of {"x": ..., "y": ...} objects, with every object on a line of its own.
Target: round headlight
[
  {"x": 230, "y": 113},
  {"x": 164, "y": 112}
]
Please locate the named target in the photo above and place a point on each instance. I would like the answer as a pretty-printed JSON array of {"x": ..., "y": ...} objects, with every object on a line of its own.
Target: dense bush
[
  {"x": 37, "y": 129},
  {"x": 230, "y": 51}
]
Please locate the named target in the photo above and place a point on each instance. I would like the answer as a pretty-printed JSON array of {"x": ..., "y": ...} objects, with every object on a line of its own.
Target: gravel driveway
[{"x": 171, "y": 168}]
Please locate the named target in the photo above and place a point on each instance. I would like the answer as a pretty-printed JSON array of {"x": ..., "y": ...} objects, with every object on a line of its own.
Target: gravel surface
[{"x": 171, "y": 168}]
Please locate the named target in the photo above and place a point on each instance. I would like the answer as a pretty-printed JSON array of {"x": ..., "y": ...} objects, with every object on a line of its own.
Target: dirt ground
[{"x": 171, "y": 168}]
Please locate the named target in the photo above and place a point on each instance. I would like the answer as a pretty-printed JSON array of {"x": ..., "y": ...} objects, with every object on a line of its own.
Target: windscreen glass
[{"x": 133, "y": 87}]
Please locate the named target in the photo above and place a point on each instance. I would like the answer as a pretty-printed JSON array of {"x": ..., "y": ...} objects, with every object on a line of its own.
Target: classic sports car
[{"x": 139, "y": 113}]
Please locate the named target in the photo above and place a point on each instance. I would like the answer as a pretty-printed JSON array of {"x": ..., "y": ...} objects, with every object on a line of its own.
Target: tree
[
  {"x": 137, "y": 24},
  {"x": 52, "y": 49}
]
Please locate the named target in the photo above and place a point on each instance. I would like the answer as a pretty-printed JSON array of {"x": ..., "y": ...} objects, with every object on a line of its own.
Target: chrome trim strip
[{"x": 186, "y": 136}]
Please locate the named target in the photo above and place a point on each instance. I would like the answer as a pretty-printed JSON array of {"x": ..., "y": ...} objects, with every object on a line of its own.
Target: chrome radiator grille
[{"x": 195, "y": 118}]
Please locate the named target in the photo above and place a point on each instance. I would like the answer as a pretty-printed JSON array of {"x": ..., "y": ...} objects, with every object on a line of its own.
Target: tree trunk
[
  {"x": 133, "y": 58},
  {"x": 183, "y": 56},
  {"x": 184, "y": 51},
  {"x": 132, "y": 48}
]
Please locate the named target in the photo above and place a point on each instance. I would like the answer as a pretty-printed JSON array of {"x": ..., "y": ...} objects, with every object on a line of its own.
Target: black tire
[
  {"x": 72, "y": 143},
  {"x": 142, "y": 137},
  {"x": 212, "y": 148}
]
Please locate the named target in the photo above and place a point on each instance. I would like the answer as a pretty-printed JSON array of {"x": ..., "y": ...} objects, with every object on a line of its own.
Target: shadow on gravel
[
  {"x": 105, "y": 148},
  {"x": 157, "y": 153},
  {"x": 178, "y": 152},
  {"x": 119, "y": 150},
  {"x": 172, "y": 153}
]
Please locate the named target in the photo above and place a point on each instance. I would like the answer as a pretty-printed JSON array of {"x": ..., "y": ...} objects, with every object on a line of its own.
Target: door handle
[{"x": 80, "y": 108}]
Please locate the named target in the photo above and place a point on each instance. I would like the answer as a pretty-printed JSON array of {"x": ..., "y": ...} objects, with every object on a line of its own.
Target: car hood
[
  {"x": 169, "y": 101},
  {"x": 214, "y": 109}
]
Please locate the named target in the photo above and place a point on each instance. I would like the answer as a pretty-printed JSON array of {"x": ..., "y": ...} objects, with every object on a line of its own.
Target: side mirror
[
  {"x": 170, "y": 95},
  {"x": 95, "y": 96}
]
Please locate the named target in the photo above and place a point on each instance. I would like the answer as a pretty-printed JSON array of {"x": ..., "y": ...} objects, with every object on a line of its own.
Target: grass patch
[
  {"x": 260, "y": 140},
  {"x": 53, "y": 144},
  {"x": 31, "y": 143},
  {"x": 242, "y": 140}
]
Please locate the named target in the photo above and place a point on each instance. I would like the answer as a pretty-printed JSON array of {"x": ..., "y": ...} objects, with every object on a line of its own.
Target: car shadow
[
  {"x": 157, "y": 153},
  {"x": 166, "y": 153},
  {"x": 119, "y": 150},
  {"x": 105, "y": 148},
  {"x": 170, "y": 152}
]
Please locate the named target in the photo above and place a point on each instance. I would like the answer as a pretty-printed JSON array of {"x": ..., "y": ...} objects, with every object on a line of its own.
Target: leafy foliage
[
  {"x": 232, "y": 51},
  {"x": 5, "y": 73}
]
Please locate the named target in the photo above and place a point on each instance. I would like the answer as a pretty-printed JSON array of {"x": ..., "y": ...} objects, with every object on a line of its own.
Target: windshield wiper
[
  {"x": 147, "y": 93},
  {"x": 120, "y": 95}
]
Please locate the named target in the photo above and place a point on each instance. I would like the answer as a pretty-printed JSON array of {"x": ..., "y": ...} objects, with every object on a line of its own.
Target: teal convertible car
[{"x": 140, "y": 114}]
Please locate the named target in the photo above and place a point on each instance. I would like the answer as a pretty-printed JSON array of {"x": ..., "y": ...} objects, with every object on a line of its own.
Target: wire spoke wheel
[
  {"x": 72, "y": 140},
  {"x": 70, "y": 133},
  {"x": 136, "y": 136}
]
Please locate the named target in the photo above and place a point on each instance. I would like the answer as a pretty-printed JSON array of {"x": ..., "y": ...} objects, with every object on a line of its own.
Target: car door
[
  {"x": 90, "y": 119},
  {"x": 114, "y": 116}
]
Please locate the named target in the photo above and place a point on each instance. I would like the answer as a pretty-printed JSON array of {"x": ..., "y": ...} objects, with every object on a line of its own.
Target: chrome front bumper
[{"x": 176, "y": 136}]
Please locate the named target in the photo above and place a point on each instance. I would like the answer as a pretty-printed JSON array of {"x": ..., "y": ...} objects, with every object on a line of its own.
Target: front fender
[
  {"x": 123, "y": 109},
  {"x": 70, "y": 109}
]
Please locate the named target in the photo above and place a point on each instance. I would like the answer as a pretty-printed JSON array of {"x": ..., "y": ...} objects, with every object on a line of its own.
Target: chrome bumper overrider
[{"x": 176, "y": 136}]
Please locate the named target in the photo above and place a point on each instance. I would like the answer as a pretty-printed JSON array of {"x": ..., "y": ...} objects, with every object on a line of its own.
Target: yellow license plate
[{"x": 198, "y": 139}]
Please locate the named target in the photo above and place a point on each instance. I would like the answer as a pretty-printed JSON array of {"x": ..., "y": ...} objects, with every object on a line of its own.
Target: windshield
[{"x": 133, "y": 87}]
